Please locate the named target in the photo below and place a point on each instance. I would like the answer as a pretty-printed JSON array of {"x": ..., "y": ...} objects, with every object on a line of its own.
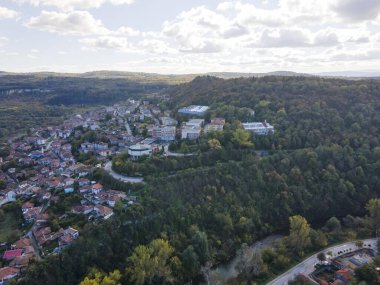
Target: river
[{"x": 223, "y": 273}]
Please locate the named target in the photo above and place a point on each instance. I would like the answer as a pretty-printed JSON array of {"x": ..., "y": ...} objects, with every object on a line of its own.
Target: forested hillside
[{"x": 323, "y": 161}]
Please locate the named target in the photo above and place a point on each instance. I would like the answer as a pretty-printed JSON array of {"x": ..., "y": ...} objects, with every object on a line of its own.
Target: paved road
[
  {"x": 307, "y": 266},
  {"x": 169, "y": 153},
  {"x": 108, "y": 168}
]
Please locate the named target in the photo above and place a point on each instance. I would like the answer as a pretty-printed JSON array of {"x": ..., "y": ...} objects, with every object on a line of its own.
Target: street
[{"x": 307, "y": 266}]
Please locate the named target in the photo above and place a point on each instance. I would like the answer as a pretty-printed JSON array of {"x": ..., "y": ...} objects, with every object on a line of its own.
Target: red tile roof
[
  {"x": 10, "y": 254},
  {"x": 8, "y": 272},
  {"x": 22, "y": 243},
  {"x": 345, "y": 273}
]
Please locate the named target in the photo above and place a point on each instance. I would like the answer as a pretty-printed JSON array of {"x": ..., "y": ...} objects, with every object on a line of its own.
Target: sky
[{"x": 189, "y": 36}]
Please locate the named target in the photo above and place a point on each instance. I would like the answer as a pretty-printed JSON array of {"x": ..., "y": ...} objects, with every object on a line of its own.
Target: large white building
[
  {"x": 164, "y": 133},
  {"x": 194, "y": 110},
  {"x": 139, "y": 150},
  {"x": 195, "y": 123},
  {"x": 259, "y": 128},
  {"x": 190, "y": 133}
]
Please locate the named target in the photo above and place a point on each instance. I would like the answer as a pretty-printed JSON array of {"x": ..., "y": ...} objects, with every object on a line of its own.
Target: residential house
[
  {"x": 11, "y": 254},
  {"x": 22, "y": 260},
  {"x": 103, "y": 211},
  {"x": 216, "y": 124},
  {"x": 68, "y": 236},
  {"x": 96, "y": 188},
  {"x": 20, "y": 244},
  {"x": 31, "y": 215},
  {"x": 26, "y": 207},
  {"x": 7, "y": 273}
]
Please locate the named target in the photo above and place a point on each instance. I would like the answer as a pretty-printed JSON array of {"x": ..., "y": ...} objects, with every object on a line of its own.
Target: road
[
  {"x": 108, "y": 167},
  {"x": 307, "y": 266},
  {"x": 169, "y": 153}
]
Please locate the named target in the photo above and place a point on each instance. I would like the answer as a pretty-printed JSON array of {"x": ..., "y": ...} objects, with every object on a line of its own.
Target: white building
[
  {"x": 259, "y": 128},
  {"x": 139, "y": 150},
  {"x": 190, "y": 133},
  {"x": 167, "y": 121},
  {"x": 164, "y": 133},
  {"x": 193, "y": 110},
  {"x": 195, "y": 123}
]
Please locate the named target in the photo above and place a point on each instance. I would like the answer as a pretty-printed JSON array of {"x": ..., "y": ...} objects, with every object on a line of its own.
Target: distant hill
[
  {"x": 361, "y": 74},
  {"x": 171, "y": 79}
]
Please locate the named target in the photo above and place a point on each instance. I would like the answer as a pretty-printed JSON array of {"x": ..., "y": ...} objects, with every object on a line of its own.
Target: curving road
[
  {"x": 307, "y": 266},
  {"x": 169, "y": 153},
  {"x": 108, "y": 167}
]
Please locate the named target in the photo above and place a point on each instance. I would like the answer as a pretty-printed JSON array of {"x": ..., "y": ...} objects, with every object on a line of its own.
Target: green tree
[
  {"x": 373, "y": 207},
  {"x": 367, "y": 273},
  {"x": 321, "y": 256},
  {"x": 190, "y": 260},
  {"x": 148, "y": 262},
  {"x": 242, "y": 138},
  {"x": 214, "y": 144},
  {"x": 200, "y": 244},
  {"x": 300, "y": 280},
  {"x": 98, "y": 278},
  {"x": 299, "y": 237}
]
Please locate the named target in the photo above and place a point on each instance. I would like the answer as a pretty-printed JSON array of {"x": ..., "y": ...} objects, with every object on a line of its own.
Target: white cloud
[
  {"x": 325, "y": 38},
  {"x": 6, "y": 13},
  {"x": 74, "y": 4},
  {"x": 203, "y": 47},
  {"x": 3, "y": 40},
  {"x": 196, "y": 30},
  {"x": 283, "y": 38},
  {"x": 70, "y": 23},
  {"x": 235, "y": 30},
  {"x": 105, "y": 42},
  {"x": 78, "y": 23},
  {"x": 357, "y": 10}
]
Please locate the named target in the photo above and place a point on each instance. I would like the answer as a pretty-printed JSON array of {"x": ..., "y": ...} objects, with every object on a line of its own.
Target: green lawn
[{"x": 10, "y": 224}]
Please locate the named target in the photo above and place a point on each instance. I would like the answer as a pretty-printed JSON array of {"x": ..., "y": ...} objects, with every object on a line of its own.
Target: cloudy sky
[{"x": 188, "y": 36}]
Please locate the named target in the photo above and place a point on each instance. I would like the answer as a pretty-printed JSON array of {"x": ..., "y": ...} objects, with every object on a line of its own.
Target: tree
[
  {"x": 190, "y": 260},
  {"x": 299, "y": 237},
  {"x": 242, "y": 138},
  {"x": 148, "y": 262},
  {"x": 300, "y": 280},
  {"x": 321, "y": 256},
  {"x": 333, "y": 224},
  {"x": 359, "y": 243},
  {"x": 373, "y": 207},
  {"x": 200, "y": 244},
  {"x": 367, "y": 273},
  {"x": 99, "y": 278},
  {"x": 214, "y": 144}
]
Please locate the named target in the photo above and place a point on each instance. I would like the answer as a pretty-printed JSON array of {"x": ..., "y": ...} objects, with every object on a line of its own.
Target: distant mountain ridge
[{"x": 182, "y": 78}]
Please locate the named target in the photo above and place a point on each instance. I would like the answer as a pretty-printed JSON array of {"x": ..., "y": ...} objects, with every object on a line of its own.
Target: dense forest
[{"x": 322, "y": 161}]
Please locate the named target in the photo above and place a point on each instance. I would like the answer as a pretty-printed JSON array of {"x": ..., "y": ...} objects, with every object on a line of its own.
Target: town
[{"x": 47, "y": 173}]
